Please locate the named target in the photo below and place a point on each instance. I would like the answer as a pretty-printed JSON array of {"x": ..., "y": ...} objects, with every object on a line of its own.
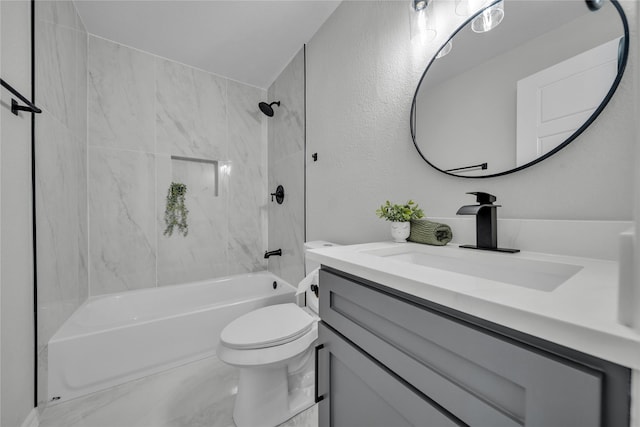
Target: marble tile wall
[
  {"x": 121, "y": 97},
  {"x": 191, "y": 111},
  {"x": 122, "y": 245},
  {"x": 61, "y": 169},
  {"x": 286, "y": 168},
  {"x": 142, "y": 111},
  {"x": 248, "y": 183}
]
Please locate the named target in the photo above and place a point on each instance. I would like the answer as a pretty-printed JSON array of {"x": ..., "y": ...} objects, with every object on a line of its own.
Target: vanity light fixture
[
  {"x": 445, "y": 50},
  {"x": 490, "y": 18},
  {"x": 419, "y": 5},
  {"x": 423, "y": 21}
]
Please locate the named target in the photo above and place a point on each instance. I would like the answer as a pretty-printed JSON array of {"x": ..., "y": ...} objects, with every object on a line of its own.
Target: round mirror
[{"x": 505, "y": 99}]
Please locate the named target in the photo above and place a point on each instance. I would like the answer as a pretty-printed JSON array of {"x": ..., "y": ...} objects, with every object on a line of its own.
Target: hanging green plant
[{"x": 175, "y": 214}]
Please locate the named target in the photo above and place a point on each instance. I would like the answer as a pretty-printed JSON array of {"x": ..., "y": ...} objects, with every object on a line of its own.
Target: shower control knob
[{"x": 279, "y": 194}]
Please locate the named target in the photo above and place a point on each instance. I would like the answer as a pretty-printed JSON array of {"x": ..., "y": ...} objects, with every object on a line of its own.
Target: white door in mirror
[{"x": 553, "y": 103}]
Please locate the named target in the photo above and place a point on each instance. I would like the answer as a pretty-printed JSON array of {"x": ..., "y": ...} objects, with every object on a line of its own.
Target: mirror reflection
[{"x": 504, "y": 99}]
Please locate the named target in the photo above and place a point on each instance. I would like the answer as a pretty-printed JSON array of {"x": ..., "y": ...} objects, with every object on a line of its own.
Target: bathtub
[{"x": 121, "y": 337}]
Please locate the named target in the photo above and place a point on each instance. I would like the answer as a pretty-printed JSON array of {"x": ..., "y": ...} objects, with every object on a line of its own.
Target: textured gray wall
[
  {"x": 16, "y": 261},
  {"x": 362, "y": 71},
  {"x": 637, "y": 223}
]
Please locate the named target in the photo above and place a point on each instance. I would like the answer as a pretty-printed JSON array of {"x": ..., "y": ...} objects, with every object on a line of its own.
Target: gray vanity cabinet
[{"x": 387, "y": 361}]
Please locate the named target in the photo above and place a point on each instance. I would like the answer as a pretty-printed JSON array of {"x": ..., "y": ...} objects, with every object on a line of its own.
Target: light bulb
[
  {"x": 419, "y": 5},
  {"x": 423, "y": 25},
  {"x": 445, "y": 50},
  {"x": 490, "y": 18}
]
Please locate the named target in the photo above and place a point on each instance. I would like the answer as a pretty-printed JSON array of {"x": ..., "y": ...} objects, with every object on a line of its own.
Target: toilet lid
[{"x": 267, "y": 327}]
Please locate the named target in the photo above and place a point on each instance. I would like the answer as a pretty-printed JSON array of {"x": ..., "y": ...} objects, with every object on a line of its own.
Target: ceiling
[
  {"x": 471, "y": 49},
  {"x": 247, "y": 41}
]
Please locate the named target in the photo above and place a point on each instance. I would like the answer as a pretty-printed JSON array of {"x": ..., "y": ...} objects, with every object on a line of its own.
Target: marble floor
[{"x": 194, "y": 395}]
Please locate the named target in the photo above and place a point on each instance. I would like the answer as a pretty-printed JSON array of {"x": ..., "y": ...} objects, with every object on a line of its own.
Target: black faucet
[
  {"x": 486, "y": 223},
  {"x": 267, "y": 254}
]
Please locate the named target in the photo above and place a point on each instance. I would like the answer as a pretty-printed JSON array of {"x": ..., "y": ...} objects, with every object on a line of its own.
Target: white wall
[
  {"x": 16, "y": 262},
  {"x": 362, "y": 70}
]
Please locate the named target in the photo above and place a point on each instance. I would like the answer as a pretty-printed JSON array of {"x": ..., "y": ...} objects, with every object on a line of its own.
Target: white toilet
[{"x": 273, "y": 349}]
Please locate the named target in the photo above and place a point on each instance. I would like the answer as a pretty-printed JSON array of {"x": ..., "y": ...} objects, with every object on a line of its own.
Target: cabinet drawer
[
  {"x": 358, "y": 391},
  {"x": 483, "y": 379}
]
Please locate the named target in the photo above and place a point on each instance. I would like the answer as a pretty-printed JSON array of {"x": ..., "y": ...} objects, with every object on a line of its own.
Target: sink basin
[{"x": 511, "y": 269}]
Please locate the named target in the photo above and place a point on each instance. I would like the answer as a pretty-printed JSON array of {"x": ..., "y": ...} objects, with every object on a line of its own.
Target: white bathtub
[{"x": 120, "y": 337}]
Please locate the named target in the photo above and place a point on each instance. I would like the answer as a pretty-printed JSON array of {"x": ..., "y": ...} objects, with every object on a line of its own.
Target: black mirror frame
[{"x": 621, "y": 67}]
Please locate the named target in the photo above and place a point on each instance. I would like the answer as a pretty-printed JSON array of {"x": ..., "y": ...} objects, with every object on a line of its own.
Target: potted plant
[{"x": 400, "y": 215}]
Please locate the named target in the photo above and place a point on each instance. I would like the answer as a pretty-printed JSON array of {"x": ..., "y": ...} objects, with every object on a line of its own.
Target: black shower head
[{"x": 266, "y": 108}]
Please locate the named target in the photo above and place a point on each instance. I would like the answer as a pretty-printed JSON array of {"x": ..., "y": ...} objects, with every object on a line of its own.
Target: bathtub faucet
[{"x": 267, "y": 254}]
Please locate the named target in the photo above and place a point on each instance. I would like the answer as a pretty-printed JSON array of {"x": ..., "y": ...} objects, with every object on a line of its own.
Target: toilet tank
[
  {"x": 311, "y": 300},
  {"x": 310, "y": 265}
]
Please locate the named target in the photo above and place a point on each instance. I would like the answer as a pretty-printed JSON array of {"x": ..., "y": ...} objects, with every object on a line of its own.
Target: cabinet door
[
  {"x": 484, "y": 379},
  {"x": 358, "y": 391}
]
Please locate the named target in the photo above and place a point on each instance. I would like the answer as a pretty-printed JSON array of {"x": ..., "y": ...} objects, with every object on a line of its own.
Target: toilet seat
[
  {"x": 267, "y": 327},
  {"x": 268, "y": 356},
  {"x": 268, "y": 336}
]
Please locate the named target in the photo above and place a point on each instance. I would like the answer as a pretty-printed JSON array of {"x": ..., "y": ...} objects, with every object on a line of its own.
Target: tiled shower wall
[
  {"x": 286, "y": 168},
  {"x": 61, "y": 186},
  {"x": 142, "y": 110}
]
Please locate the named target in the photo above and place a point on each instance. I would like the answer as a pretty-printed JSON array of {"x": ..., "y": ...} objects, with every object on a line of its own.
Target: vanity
[{"x": 408, "y": 338}]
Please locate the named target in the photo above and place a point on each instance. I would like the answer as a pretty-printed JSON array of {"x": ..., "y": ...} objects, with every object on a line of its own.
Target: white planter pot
[{"x": 400, "y": 231}]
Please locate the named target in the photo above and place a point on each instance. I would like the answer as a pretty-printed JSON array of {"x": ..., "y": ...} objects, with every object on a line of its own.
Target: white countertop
[{"x": 580, "y": 314}]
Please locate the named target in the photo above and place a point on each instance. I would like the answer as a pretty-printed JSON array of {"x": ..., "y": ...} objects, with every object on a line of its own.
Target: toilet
[{"x": 273, "y": 349}]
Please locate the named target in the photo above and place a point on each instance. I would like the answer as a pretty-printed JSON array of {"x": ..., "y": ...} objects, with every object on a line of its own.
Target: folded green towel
[{"x": 429, "y": 232}]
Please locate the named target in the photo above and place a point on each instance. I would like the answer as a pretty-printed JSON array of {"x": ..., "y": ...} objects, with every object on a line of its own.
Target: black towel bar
[
  {"x": 481, "y": 166},
  {"x": 15, "y": 107}
]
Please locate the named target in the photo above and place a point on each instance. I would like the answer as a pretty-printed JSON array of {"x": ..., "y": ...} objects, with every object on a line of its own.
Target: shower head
[{"x": 267, "y": 109}]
